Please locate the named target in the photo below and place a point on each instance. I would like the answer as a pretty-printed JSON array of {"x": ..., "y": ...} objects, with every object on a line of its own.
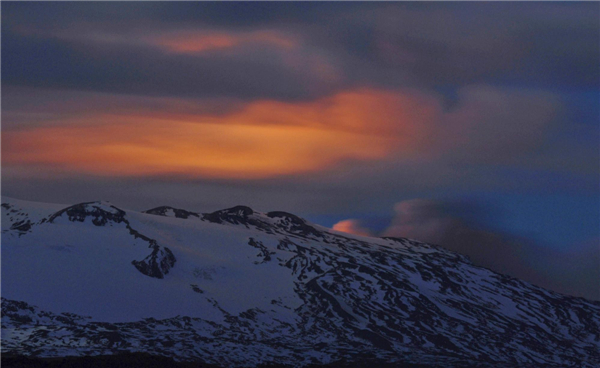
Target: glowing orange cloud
[
  {"x": 264, "y": 139},
  {"x": 194, "y": 42},
  {"x": 351, "y": 226}
]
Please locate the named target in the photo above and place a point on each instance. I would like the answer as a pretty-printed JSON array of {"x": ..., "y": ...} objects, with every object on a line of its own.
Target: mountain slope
[{"x": 238, "y": 288}]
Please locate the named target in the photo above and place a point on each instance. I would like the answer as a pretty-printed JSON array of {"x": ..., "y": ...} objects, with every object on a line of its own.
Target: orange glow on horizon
[{"x": 264, "y": 139}]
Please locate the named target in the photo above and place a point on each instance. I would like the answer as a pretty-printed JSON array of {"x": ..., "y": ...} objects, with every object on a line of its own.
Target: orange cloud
[
  {"x": 194, "y": 42},
  {"x": 264, "y": 139},
  {"x": 351, "y": 226}
]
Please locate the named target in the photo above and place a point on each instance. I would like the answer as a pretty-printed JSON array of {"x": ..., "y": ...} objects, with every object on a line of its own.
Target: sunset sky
[{"x": 473, "y": 125}]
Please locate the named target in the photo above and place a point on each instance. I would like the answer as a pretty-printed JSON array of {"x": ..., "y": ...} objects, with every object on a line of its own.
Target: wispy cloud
[{"x": 195, "y": 41}]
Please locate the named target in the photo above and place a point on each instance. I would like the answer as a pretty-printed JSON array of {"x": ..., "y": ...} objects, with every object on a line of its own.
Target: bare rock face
[
  {"x": 235, "y": 215},
  {"x": 275, "y": 222},
  {"x": 19, "y": 220},
  {"x": 172, "y": 212},
  {"x": 293, "y": 224},
  {"x": 99, "y": 213},
  {"x": 157, "y": 264}
]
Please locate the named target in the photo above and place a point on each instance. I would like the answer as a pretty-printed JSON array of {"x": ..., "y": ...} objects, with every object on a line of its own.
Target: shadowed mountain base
[{"x": 144, "y": 360}]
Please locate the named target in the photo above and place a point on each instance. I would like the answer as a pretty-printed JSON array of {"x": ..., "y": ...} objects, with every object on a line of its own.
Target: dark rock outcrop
[
  {"x": 177, "y": 212},
  {"x": 234, "y": 215},
  {"x": 293, "y": 224},
  {"x": 157, "y": 264},
  {"x": 100, "y": 214}
]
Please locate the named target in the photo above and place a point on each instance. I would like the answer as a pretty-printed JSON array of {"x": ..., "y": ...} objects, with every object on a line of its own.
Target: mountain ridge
[{"x": 247, "y": 288}]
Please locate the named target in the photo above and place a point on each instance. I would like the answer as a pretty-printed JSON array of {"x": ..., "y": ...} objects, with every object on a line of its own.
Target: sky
[{"x": 473, "y": 125}]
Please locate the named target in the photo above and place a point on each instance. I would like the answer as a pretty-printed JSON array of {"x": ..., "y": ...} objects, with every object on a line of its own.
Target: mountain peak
[
  {"x": 270, "y": 222},
  {"x": 234, "y": 215},
  {"x": 293, "y": 223},
  {"x": 101, "y": 213}
]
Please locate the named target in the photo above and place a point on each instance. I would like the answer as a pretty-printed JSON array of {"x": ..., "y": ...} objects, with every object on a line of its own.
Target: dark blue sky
[{"x": 474, "y": 125}]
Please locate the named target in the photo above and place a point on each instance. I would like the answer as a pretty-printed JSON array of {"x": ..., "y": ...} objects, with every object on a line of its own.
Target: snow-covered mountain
[{"x": 237, "y": 288}]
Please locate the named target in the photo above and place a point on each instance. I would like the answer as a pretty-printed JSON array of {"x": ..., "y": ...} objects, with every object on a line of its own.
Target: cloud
[
  {"x": 224, "y": 138},
  {"x": 297, "y": 51},
  {"x": 461, "y": 227},
  {"x": 499, "y": 123},
  {"x": 352, "y": 152},
  {"x": 261, "y": 139},
  {"x": 421, "y": 219},
  {"x": 195, "y": 42},
  {"x": 251, "y": 71},
  {"x": 458, "y": 44},
  {"x": 351, "y": 226}
]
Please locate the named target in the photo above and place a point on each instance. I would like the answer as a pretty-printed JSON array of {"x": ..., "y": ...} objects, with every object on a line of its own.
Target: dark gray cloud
[
  {"x": 232, "y": 14},
  {"x": 25, "y": 108},
  {"x": 464, "y": 228},
  {"x": 391, "y": 45},
  {"x": 249, "y": 73}
]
